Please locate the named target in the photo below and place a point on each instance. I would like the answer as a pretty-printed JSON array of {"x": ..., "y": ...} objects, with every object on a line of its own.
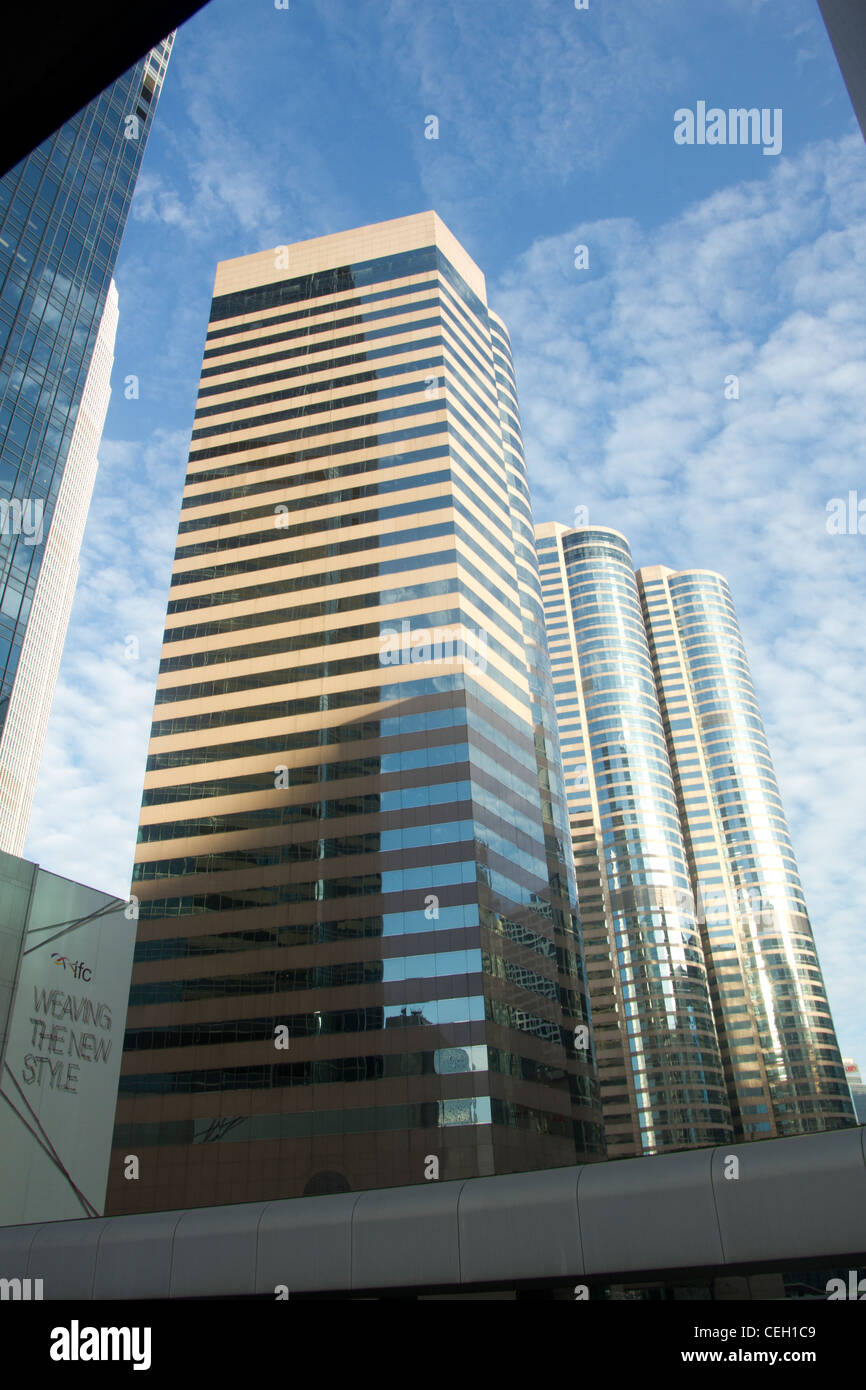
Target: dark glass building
[
  {"x": 62, "y": 214},
  {"x": 358, "y": 962}
]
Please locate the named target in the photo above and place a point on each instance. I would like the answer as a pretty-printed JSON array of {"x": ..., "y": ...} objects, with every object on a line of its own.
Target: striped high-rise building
[
  {"x": 358, "y": 963},
  {"x": 691, "y": 904}
]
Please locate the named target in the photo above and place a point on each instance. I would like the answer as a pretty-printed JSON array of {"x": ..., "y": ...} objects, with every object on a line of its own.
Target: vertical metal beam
[{"x": 846, "y": 25}]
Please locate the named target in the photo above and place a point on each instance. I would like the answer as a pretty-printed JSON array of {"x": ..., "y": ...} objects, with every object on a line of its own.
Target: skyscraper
[
  {"x": 62, "y": 214},
  {"x": 23, "y": 737},
  {"x": 357, "y": 960},
  {"x": 779, "y": 1048},
  {"x": 660, "y": 1069},
  {"x": 671, "y": 788}
]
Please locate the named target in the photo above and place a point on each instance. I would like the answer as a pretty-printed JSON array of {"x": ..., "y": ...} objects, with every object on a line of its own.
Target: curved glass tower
[
  {"x": 657, "y": 1050},
  {"x": 782, "y": 1062}
]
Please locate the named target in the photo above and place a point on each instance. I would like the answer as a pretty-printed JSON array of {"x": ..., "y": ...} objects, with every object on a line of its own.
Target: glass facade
[
  {"x": 660, "y": 1071},
  {"x": 711, "y": 1017},
  {"x": 379, "y": 980},
  {"x": 62, "y": 215},
  {"x": 784, "y": 1071}
]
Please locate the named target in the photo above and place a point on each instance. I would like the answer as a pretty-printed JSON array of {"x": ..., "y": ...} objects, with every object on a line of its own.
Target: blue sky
[{"x": 555, "y": 129}]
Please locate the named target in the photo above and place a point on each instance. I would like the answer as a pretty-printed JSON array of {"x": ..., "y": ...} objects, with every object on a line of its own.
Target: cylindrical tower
[
  {"x": 782, "y": 1061},
  {"x": 658, "y": 1054}
]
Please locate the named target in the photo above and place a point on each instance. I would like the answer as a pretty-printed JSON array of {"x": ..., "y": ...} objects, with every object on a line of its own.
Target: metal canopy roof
[{"x": 797, "y": 1200}]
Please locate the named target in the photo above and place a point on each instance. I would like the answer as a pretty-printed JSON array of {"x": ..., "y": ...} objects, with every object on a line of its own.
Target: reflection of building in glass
[
  {"x": 373, "y": 854},
  {"x": 62, "y": 213},
  {"x": 659, "y": 720},
  {"x": 408, "y": 1018}
]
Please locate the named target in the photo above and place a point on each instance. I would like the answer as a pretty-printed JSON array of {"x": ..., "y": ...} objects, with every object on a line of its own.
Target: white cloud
[
  {"x": 235, "y": 174},
  {"x": 85, "y": 815},
  {"x": 620, "y": 370},
  {"x": 527, "y": 95},
  {"x": 621, "y": 374}
]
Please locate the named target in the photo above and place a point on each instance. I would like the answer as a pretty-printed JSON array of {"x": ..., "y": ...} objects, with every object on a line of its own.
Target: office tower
[
  {"x": 62, "y": 215},
  {"x": 779, "y": 1048},
  {"x": 857, "y": 1088},
  {"x": 23, "y": 738},
  {"x": 680, "y": 840},
  {"x": 660, "y": 1069},
  {"x": 357, "y": 962}
]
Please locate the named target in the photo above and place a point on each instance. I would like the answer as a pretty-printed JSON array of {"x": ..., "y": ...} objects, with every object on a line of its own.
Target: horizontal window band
[
  {"x": 320, "y": 310},
  {"x": 357, "y": 468},
  {"x": 292, "y": 980},
  {"x": 307, "y": 368},
  {"x": 342, "y": 279},
  {"x": 517, "y": 763},
  {"x": 371, "y": 516},
  {"x": 413, "y": 801},
  {"x": 340, "y": 318},
  {"x": 254, "y": 564},
  {"x": 332, "y": 607},
  {"x": 585, "y": 1134},
  {"x": 380, "y": 441},
  {"x": 468, "y": 369},
  {"x": 447, "y": 635},
  {"x": 409, "y": 691},
  {"x": 330, "y": 384},
  {"x": 458, "y": 910},
  {"x": 378, "y": 846},
  {"x": 330, "y": 498},
  {"x": 330, "y": 406},
  {"x": 276, "y": 1075},
  {"x": 443, "y": 1007},
  {"x": 322, "y": 427},
  {"x": 295, "y": 675}
]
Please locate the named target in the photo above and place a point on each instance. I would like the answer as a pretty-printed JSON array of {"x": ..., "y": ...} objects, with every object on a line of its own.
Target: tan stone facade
[{"x": 357, "y": 963}]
